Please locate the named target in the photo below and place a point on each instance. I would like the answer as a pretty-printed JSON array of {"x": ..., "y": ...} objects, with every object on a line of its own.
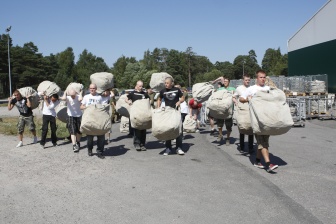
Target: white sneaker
[
  {"x": 167, "y": 152},
  {"x": 20, "y": 144},
  {"x": 180, "y": 152},
  {"x": 34, "y": 140},
  {"x": 197, "y": 130}
]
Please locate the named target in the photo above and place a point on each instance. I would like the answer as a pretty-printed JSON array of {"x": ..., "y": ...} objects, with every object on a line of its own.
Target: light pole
[{"x": 9, "y": 69}]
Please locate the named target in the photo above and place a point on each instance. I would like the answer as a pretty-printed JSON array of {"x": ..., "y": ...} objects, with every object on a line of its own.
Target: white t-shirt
[
  {"x": 239, "y": 91},
  {"x": 105, "y": 99},
  {"x": 184, "y": 107},
  {"x": 90, "y": 99},
  {"x": 50, "y": 110},
  {"x": 73, "y": 106},
  {"x": 252, "y": 90}
]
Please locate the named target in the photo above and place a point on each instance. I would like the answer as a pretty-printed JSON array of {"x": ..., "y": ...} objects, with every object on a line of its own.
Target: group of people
[{"x": 171, "y": 96}]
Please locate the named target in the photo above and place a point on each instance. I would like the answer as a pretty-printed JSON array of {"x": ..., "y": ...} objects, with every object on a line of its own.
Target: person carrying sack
[
  {"x": 262, "y": 140},
  {"x": 172, "y": 97},
  {"x": 139, "y": 136}
]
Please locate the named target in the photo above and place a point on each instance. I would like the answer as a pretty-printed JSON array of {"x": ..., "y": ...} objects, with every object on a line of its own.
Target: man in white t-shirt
[
  {"x": 49, "y": 117},
  {"x": 262, "y": 140},
  {"x": 239, "y": 91},
  {"x": 74, "y": 117},
  {"x": 106, "y": 100},
  {"x": 94, "y": 98}
]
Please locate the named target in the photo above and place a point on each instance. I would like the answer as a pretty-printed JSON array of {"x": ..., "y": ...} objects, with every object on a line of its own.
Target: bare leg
[
  {"x": 21, "y": 136},
  {"x": 34, "y": 133},
  {"x": 265, "y": 154},
  {"x": 73, "y": 139},
  {"x": 78, "y": 137},
  {"x": 212, "y": 123}
]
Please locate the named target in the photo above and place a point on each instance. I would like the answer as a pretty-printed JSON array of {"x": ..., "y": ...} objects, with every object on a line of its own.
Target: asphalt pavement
[{"x": 211, "y": 183}]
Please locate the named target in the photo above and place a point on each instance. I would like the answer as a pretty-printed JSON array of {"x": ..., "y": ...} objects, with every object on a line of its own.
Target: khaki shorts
[
  {"x": 262, "y": 141},
  {"x": 23, "y": 121},
  {"x": 228, "y": 124}
]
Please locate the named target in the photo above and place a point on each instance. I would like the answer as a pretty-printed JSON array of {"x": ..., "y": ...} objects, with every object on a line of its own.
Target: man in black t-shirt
[
  {"x": 173, "y": 97},
  {"x": 26, "y": 117},
  {"x": 139, "y": 137}
]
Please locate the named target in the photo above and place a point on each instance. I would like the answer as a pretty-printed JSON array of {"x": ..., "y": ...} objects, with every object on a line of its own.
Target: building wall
[
  {"x": 312, "y": 50},
  {"x": 313, "y": 60}
]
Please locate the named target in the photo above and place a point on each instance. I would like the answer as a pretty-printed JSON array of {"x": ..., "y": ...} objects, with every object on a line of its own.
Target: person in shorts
[
  {"x": 26, "y": 117},
  {"x": 194, "y": 112},
  {"x": 74, "y": 117},
  {"x": 262, "y": 140}
]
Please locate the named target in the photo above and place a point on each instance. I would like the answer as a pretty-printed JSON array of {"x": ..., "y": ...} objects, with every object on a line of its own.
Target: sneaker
[
  {"x": 34, "y": 140},
  {"x": 227, "y": 142},
  {"x": 272, "y": 167},
  {"x": 137, "y": 147},
  {"x": 259, "y": 165},
  {"x": 75, "y": 148},
  {"x": 20, "y": 144},
  {"x": 212, "y": 132},
  {"x": 167, "y": 152},
  {"x": 197, "y": 130},
  {"x": 42, "y": 146},
  {"x": 90, "y": 152},
  {"x": 55, "y": 144},
  {"x": 179, "y": 151},
  {"x": 143, "y": 148},
  {"x": 100, "y": 156},
  {"x": 78, "y": 144},
  {"x": 219, "y": 138}
]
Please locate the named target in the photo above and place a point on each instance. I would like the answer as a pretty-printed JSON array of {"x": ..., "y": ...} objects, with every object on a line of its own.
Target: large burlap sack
[
  {"x": 157, "y": 82},
  {"x": 48, "y": 88},
  {"x": 243, "y": 119},
  {"x": 34, "y": 97},
  {"x": 124, "y": 125},
  {"x": 96, "y": 119},
  {"x": 61, "y": 111},
  {"x": 189, "y": 124},
  {"x": 78, "y": 87},
  {"x": 220, "y": 104},
  {"x": 103, "y": 80},
  {"x": 141, "y": 114},
  {"x": 122, "y": 107},
  {"x": 270, "y": 113},
  {"x": 166, "y": 123},
  {"x": 202, "y": 91}
]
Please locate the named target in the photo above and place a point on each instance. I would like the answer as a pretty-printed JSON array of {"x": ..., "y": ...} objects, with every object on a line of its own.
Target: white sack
[
  {"x": 220, "y": 105},
  {"x": 61, "y": 111},
  {"x": 122, "y": 107},
  {"x": 34, "y": 97},
  {"x": 157, "y": 82},
  {"x": 103, "y": 80},
  {"x": 78, "y": 87},
  {"x": 48, "y": 88},
  {"x": 166, "y": 123},
  {"x": 124, "y": 125},
  {"x": 270, "y": 114},
  {"x": 141, "y": 115},
  {"x": 243, "y": 119},
  {"x": 96, "y": 119},
  {"x": 189, "y": 124},
  {"x": 202, "y": 91}
]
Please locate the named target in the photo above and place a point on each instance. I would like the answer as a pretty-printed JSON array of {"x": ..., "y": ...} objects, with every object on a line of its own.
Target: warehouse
[{"x": 312, "y": 49}]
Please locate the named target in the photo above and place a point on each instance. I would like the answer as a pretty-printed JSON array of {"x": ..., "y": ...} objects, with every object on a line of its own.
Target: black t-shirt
[
  {"x": 134, "y": 96},
  {"x": 171, "y": 96},
  {"x": 22, "y": 107}
]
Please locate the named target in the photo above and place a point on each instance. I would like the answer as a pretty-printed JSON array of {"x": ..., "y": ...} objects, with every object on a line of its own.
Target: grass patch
[{"x": 8, "y": 126}]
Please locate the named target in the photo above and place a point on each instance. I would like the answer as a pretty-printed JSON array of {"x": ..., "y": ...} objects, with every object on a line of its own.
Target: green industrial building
[{"x": 312, "y": 49}]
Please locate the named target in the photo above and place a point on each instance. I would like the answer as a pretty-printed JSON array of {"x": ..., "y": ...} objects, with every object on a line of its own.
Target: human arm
[
  {"x": 10, "y": 105},
  {"x": 221, "y": 79},
  {"x": 80, "y": 96},
  {"x": 158, "y": 102},
  {"x": 64, "y": 97}
]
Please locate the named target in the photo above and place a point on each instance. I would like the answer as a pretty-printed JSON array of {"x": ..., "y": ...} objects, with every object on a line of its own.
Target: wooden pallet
[
  {"x": 294, "y": 94},
  {"x": 317, "y": 94}
]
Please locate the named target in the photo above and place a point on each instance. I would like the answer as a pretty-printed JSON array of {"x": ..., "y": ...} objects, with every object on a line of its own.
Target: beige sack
[
  {"x": 61, "y": 111},
  {"x": 220, "y": 104},
  {"x": 141, "y": 115},
  {"x": 78, "y": 87},
  {"x": 96, "y": 119},
  {"x": 166, "y": 123},
  {"x": 202, "y": 91},
  {"x": 157, "y": 82},
  {"x": 189, "y": 124},
  {"x": 103, "y": 80},
  {"x": 124, "y": 125},
  {"x": 270, "y": 114},
  {"x": 34, "y": 97},
  {"x": 122, "y": 107},
  {"x": 48, "y": 88},
  {"x": 243, "y": 119}
]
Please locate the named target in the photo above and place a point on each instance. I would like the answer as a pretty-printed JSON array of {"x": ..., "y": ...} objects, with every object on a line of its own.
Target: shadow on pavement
[{"x": 115, "y": 150}]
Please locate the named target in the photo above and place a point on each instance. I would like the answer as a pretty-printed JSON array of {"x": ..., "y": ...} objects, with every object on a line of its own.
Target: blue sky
[{"x": 220, "y": 30}]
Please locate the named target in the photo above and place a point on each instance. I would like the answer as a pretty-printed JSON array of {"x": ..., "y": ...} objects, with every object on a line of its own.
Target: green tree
[{"x": 66, "y": 63}]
